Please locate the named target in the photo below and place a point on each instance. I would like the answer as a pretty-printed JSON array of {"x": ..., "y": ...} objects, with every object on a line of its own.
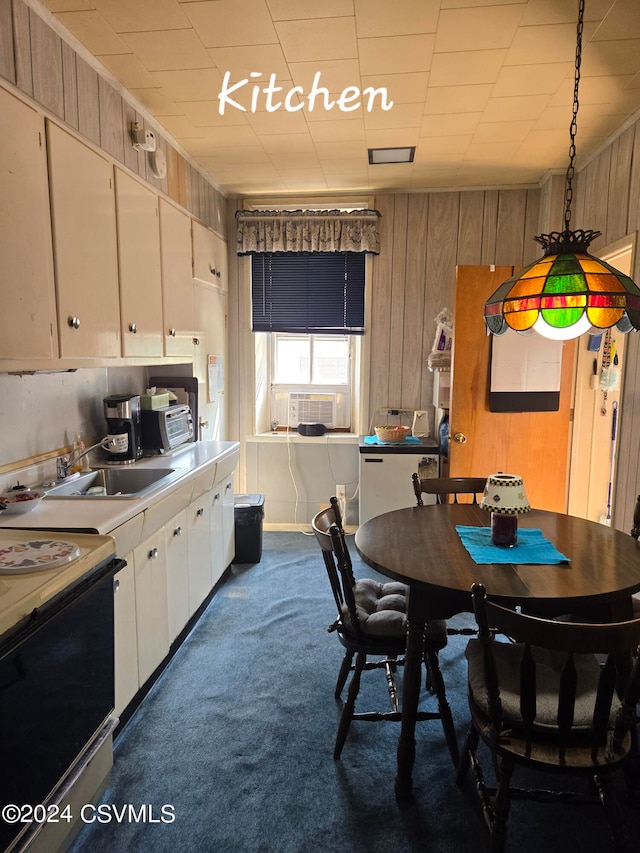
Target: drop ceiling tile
[
  {"x": 168, "y": 50},
  {"x": 232, "y": 22},
  {"x": 345, "y": 166},
  {"x": 450, "y": 125},
  {"x": 156, "y": 102},
  {"x": 195, "y": 84},
  {"x": 335, "y": 75},
  {"x": 337, "y": 131},
  {"x": 129, "y": 70},
  {"x": 235, "y": 155},
  {"x": 339, "y": 150},
  {"x": 395, "y": 54},
  {"x": 395, "y": 138},
  {"x": 462, "y": 67},
  {"x": 277, "y": 122},
  {"x": 622, "y": 22},
  {"x": 466, "y": 29},
  {"x": 380, "y": 18},
  {"x": 318, "y": 39},
  {"x": 123, "y": 16},
  {"x": 288, "y": 142},
  {"x": 320, "y": 113},
  {"x": 266, "y": 59},
  {"x": 206, "y": 114},
  {"x": 401, "y": 88},
  {"x": 532, "y": 45},
  {"x": 222, "y": 137},
  {"x": 400, "y": 116},
  {"x": 543, "y": 79},
  {"x": 93, "y": 31},
  {"x": 295, "y": 161},
  {"x": 457, "y": 99},
  {"x": 68, "y": 5},
  {"x": 453, "y": 145},
  {"x": 180, "y": 127},
  {"x": 516, "y": 109},
  {"x": 490, "y": 151},
  {"x": 288, "y": 10},
  {"x": 502, "y": 131},
  {"x": 563, "y": 12},
  {"x": 593, "y": 90},
  {"x": 610, "y": 57}
]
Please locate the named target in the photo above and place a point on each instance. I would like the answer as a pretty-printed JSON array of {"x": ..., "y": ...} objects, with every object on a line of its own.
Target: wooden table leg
[{"x": 411, "y": 686}]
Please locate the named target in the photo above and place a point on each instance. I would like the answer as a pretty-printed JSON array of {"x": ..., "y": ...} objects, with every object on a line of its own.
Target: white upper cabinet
[
  {"x": 209, "y": 256},
  {"x": 139, "y": 267},
  {"x": 27, "y": 320},
  {"x": 85, "y": 248},
  {"x": 177, "y": 284}
]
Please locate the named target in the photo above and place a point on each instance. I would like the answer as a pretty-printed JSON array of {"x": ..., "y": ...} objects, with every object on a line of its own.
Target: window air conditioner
[{"x": 333, "y": 409}]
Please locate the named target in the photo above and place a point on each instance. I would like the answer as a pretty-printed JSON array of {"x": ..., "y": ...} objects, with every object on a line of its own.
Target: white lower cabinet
[
  {"x": 218, "y": 564},
  {"x": 198, "y": 518},
  {"x": 228, "y": 521},
  {"x": 152, "y": 622},
  {"x": 177, "y": 546},
  {"x": 126, "y": 636}
]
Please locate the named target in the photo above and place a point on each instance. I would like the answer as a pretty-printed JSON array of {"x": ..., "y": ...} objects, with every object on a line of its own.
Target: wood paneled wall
[
  {"x": 424, "y": 236},
  {"x": 608, "y": 200},
  {"x": 41, "y": 65}
]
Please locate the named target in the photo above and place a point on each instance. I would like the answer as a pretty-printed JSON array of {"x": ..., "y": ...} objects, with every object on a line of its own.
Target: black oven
[{"x": 56, "y": 690}]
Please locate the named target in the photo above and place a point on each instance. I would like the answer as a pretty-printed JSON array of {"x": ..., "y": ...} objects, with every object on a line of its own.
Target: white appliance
[
  {"x": 331, "y": 408},
  {"x": 385, "y": 475}
]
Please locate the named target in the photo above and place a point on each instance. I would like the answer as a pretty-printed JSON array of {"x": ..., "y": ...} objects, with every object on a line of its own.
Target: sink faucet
[{"x": 64, "y": 463}]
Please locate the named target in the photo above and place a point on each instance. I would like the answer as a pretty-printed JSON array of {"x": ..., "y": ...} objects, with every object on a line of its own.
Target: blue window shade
[{"x": 309, "y": 293}]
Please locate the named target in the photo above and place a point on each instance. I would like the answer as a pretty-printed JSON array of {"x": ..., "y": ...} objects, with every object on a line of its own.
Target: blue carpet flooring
[{"x": 237, "y": 738}]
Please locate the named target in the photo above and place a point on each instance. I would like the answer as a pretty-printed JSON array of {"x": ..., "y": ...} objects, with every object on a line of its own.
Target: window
[{"x": 311, "y": 359}]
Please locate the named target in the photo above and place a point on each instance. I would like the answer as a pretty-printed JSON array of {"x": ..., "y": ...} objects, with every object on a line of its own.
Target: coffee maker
[{"x": 122, "y": 413}]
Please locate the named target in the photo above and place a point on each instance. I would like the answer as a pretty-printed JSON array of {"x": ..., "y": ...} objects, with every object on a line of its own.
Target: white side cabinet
[
  {"x": 228, "y": 521},
  {"x": 139, "y": 267},
  {"x": 152, "y": 619},
  {"x": 28, "y": 320},
  {"x": 198, "y": 517},
  {"x": 83, "y": 219},
  {"x": 177, "y": 285},
  {"x": 209, "y": 256},
  {"x": 177, "y": 547},
  {"x": 126, "y": 637}
]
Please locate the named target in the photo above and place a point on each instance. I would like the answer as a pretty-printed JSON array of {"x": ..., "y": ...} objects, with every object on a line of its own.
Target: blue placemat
[
  {"x": 410, "y": 439},
  {"x": 532, "y": 547}
]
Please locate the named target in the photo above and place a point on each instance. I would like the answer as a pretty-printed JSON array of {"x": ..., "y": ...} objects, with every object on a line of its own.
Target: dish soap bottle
[{"x": 78, "y": 447}]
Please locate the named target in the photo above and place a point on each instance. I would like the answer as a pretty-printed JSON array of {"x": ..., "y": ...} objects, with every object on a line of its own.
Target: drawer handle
[
  {"x": 177, "y": 531},
  {"x": 153, "y": 554},
  {"x": 74, "y": 322},
  {"x": 374, "y": 460}
]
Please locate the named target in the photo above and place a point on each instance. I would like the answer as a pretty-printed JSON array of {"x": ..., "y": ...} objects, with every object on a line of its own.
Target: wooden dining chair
[
  {"x": 372, "y": 623},
  {"x": 547, "y": 702},
  {"x": 448, "y": 489}
]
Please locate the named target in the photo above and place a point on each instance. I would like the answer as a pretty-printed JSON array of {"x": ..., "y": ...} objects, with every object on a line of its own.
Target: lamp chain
[{"x": 568, "y": 193}]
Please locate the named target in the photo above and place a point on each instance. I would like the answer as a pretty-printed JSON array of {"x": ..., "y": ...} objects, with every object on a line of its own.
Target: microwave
[{"x": 167, "y": 428}]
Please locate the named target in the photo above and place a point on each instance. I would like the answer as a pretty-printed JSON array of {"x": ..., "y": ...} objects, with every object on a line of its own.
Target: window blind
[{"x": 308, "y": 293}]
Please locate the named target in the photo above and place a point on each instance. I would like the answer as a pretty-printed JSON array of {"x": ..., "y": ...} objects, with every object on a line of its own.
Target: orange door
[{"x": 532, "y": 444}]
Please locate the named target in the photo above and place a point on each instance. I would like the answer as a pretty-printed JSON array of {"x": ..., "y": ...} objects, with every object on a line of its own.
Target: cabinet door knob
[
  {"x": 116, "y": 585},
  {"x": 153, "y": 554},
  {"x": 212, "y": 270},
  {"x": 200, "y": 511},
  {"x": 74, "y": 322},
  {"x": 177, "y": 531},
  {"x": 172, "y": 333},
  {"x": 133, "y": 328},
  {"x": 227, "y": 487}
]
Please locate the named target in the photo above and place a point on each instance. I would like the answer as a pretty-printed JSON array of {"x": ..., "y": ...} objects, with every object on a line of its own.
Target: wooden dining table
[{"x": 420, "y": 547}]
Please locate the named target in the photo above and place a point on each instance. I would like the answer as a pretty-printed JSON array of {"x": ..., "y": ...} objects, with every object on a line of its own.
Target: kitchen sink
[{"x": 113, "y": 483}]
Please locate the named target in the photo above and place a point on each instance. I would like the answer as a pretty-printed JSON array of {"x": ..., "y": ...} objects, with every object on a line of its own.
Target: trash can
[{"x": 248, "y": 515}]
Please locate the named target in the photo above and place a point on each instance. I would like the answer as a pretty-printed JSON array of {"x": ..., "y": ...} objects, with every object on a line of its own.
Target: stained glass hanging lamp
[{"x": 567, "y": 291}]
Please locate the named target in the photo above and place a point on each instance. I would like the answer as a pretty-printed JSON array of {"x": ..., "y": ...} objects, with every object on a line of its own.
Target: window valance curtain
[{"x": 307, "y": 231}]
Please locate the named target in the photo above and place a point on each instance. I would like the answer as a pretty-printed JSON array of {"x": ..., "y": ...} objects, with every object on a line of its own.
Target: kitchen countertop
[
  {"x": 202, "y": 464},
  {"x": 20, "y": 593},
  {"x": 426, "y": 445}
]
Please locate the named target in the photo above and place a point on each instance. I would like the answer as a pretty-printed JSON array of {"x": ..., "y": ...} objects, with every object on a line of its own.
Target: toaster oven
[{"x": 167, "y": 428}]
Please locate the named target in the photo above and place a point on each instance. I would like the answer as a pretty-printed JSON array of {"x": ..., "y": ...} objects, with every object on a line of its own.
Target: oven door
[{"x": 56, "y": 690}]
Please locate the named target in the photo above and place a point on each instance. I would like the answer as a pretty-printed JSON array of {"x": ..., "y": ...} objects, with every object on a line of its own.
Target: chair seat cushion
[
  {"x": 507, "y": 658},
  {"x": 382, "y": 610}
]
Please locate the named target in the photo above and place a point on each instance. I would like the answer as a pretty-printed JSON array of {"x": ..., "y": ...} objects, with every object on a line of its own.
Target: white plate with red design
[{"x": 36, "y": 556}]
